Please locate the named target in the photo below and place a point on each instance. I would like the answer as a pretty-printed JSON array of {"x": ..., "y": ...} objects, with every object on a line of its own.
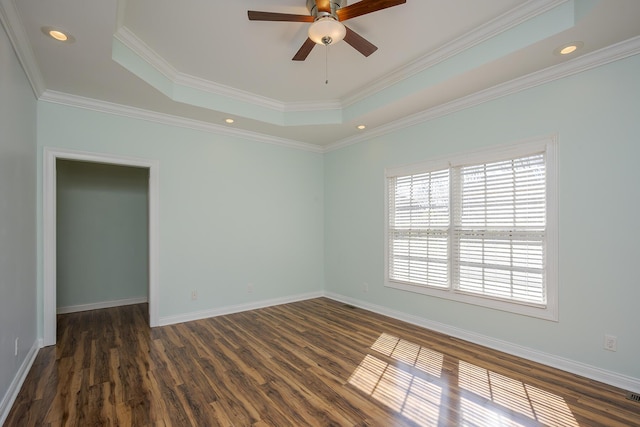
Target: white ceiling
[{"x": 203, "y": 61}]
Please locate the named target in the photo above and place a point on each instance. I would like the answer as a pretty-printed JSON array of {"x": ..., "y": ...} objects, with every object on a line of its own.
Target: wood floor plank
[{"x": 316, "y": 362}]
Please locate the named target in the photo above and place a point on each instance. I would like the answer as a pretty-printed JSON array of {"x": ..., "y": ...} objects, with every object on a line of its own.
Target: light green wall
[
  {"x": 17, "y": 217},
  {"x": 232, "y": 211},
  {"x": 596, "y": 116},
  {"x": 102, "y": 233}
]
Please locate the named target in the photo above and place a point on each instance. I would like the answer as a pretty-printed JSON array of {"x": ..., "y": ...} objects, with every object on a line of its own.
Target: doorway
[
  {"x": 101, "y": 236},
  {"x": 50, "y": 189}
]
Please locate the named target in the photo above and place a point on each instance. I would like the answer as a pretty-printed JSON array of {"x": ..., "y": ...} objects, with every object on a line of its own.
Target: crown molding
[
  {"x": 129, "y": 39},
  {"x": 586, "y": 62},
  {"x": 502, "y": 23},
  {"x": 214, "y": 88},
  {"x": 140, "y": 48},
  {"x": 12, "y": 23},
  {"x": 168, "y": 119},
  {"x": 245, "y": 96}
]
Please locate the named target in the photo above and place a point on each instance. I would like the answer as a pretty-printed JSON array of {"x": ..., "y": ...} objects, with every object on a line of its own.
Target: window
[{"x": 478, "y": 228}]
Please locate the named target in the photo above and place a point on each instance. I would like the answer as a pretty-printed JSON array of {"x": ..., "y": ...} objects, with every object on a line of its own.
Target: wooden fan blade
[
  {"x": 323, "y": 5},
  {"x": 305, "y": 50},
  {"x": 366, "y": 6},
  {"x": 255, "y": 15},
  {"x": 359, "y": 43}
]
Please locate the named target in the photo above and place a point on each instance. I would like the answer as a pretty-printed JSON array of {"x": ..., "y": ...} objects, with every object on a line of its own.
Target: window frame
[{"x": 546, "y": 145}]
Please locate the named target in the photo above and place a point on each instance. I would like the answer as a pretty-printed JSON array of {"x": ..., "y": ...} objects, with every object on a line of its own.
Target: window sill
[{"x": 545, "y": 312}]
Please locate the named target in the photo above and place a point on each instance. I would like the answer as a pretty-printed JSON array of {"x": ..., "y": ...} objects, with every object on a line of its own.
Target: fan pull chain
[{"x": 326, "y": 65}]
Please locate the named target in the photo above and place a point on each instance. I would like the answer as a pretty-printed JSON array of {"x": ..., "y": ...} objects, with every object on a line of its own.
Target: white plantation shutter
[
  {"x": 419, "y": 229},
  {"x": 499, "y": 232},
  {"x": 479, "y": 227}
]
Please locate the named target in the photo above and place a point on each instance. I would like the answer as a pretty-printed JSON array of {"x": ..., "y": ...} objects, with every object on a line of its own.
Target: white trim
[
  {"x": 15, "y": 386},
  {"x": 49, "y": 247},
  {"x": 50, "y": 155},
  {"x": 205, "y": 314},
  {"x": 154, "y": 241},
  {"x": 615, "y": 379},
  {"x": 582, "y": 63},
  {"x": 155, "y": 117},
  {"x": 552, "y": 247},
  {"x": 128, "y": 38},
  {"x": 100, "y": 305},
  {"x": 11, "y": 21}
]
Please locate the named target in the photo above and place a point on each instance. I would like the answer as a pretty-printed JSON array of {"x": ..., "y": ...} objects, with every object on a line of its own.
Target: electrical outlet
[
  {"x": 365, "y": 287},
  {"x": 15, "y": 351},
  {"x": 194, "y": 295},
  {"x": 611, "y": 343},
  {"x": 250, "y": 288}
]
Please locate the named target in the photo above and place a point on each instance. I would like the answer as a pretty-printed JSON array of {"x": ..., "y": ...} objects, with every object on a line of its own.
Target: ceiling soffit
[{"x": 515, "y": 30}]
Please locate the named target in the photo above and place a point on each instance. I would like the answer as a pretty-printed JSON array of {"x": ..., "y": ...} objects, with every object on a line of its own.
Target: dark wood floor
[{"x": 317, "y": 362}]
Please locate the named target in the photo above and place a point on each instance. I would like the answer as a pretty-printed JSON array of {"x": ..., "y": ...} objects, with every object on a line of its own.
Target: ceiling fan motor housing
[
  {"x": 326, "y": 27},
  {"x": 335, "y": 5}
]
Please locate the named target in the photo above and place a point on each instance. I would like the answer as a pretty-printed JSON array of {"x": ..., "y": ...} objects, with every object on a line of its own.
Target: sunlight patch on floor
[
  {"x": 414, "y": 386},
  {"x": 479, "y": 386},
  {"x": 426, "y": 360},
  {"x": 413, "y": 397}
]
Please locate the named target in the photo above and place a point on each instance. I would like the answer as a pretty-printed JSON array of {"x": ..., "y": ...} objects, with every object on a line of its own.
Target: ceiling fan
[{"x": 327, "y": 28}]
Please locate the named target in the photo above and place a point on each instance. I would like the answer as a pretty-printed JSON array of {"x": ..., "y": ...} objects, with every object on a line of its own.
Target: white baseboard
[
  {"x": 608, "y": 377},
  {"x": 99, "y": 305},
  {"x": 15, "y": 386},
  {"x": 204, "y": 314}
]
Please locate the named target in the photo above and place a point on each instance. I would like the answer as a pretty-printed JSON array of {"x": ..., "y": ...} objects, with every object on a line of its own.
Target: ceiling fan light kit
[{"x": 327, "y": 28}]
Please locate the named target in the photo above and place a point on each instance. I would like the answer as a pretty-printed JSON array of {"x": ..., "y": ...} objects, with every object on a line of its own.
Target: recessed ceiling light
[
  {"x": 361, "y": 127},
  {"x": 229, "y": 120},
  {"x": 568, "y": 48},
  {"x": 58, "y": 34}
]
